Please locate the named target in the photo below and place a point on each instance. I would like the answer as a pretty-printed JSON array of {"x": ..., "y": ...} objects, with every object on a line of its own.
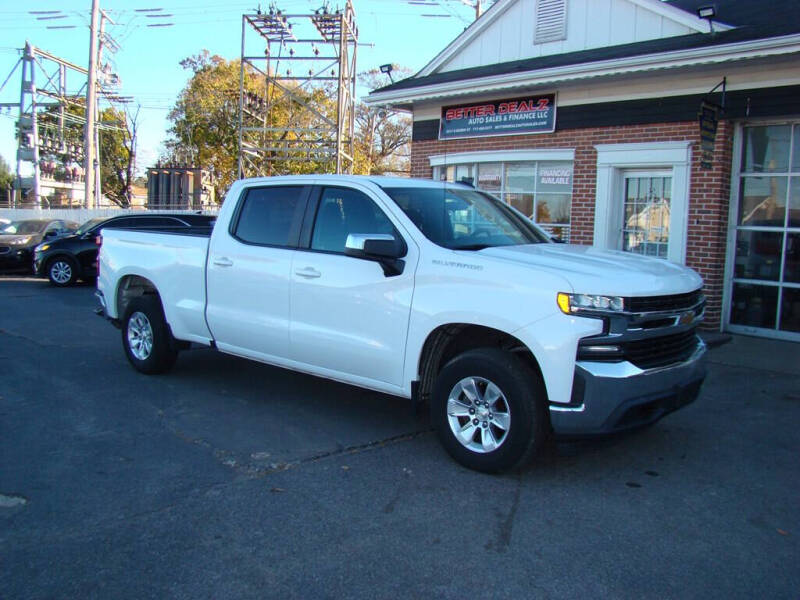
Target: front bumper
[
  {"x": 613, "y": 397},
  {"x": 17, "y": 259}
]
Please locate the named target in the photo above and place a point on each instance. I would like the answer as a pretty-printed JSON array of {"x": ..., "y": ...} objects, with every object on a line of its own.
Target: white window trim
[
  {"x": 612, "y": 162},
  {"x": 441, "y": 160},
  {"x": 730, "y": 250}
]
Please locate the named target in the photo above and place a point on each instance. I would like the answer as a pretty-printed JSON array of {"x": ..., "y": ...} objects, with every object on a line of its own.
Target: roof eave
[{"x": 544, "y": 77}]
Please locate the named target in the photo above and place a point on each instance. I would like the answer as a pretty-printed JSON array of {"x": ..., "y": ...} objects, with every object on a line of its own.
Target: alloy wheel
[
  {"x": 140, "y": 335},
  {"x": 478, "y": 414}
]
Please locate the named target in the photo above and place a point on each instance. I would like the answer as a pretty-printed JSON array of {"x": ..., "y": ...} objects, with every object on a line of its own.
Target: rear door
[
  {"x": 346, "y": 315},
  {"x": 248, "y": 272}
]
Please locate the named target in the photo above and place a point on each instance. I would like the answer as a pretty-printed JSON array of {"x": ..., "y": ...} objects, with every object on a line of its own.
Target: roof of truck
[{"x": 381, "y": 180}]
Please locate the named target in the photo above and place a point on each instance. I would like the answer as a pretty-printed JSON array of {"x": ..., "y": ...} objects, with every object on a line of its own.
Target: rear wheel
[
  {"x": 62, "y": 271},
  {"x": 488, "y": 408},
  {"x": 146, "y": 337}
]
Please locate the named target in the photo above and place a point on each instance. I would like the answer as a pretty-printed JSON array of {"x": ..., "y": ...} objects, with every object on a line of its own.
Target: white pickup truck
[{"x": 435, "y": 292}]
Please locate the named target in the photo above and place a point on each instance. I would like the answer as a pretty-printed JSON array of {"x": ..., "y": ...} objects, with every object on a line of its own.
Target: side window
[
  {"x": 120, "y": 223},
  {"x": 342, "y": 212},
  {"x": 271, "y": 216}
]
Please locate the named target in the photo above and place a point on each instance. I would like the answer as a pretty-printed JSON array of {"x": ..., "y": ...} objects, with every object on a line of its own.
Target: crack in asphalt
[
  {"x": 251, "y": 470},
  {"x": 506, "y": 525},
  {"x": 19, "y": 336}
]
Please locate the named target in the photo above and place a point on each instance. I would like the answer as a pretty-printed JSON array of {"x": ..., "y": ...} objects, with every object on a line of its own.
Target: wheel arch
[
  {"x": 133, "y": 286},
  {"x": 451, "y": 339}
]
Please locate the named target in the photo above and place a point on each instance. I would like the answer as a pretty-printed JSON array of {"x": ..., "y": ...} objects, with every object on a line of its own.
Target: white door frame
[{"x": 613, "y": 160}]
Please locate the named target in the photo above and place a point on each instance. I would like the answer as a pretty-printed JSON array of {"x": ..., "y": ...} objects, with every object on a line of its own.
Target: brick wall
[{"x": 709, "y": 193}]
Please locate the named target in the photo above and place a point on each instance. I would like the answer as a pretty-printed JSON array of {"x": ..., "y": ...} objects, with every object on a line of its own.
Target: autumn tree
[
  {"x": 205, "y": 118},
  {"x": 383, "y": 136}
]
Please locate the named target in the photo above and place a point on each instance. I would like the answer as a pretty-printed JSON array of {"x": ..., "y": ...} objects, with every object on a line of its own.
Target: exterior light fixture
[
  {"x": 708, "y": 12},
  {"x": 388, "y": 70}
]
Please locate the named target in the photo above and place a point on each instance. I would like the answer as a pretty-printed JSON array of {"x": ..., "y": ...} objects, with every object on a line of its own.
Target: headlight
[
  {"x": 20, "y": 241},
  {"x": 41, "y": 248},
  {"x": 573, "y": 303}
]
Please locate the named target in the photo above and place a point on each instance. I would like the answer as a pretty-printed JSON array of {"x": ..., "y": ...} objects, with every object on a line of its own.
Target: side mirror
[
  {"x": 557, "y": 240},
  {"x": 50, "y": 234},
  {"x": 383, "y": 248}
]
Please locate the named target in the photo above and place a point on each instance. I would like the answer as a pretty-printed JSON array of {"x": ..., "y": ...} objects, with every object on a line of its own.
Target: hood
[
  {"x": 9, "y": 238},
  {"x": 591, "y": 270}
]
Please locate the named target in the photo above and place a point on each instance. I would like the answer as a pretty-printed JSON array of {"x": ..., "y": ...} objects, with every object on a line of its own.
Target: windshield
[
  {"x": 88, "y": 225},
  {"x": 23, "y": 227},
  {"x": 462, "y": 219}
]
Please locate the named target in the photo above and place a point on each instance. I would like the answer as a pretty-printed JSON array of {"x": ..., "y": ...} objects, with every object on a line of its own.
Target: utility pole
[
  {"x": 478, "y": 6},
  {"x": 91, "y": 102}
]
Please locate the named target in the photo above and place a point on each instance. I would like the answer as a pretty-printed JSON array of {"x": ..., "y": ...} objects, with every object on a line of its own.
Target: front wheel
[
  {"x": 146, "y": 337},
  {"x": 488, "y": 408},
  {"x": 62, "y": 271}
]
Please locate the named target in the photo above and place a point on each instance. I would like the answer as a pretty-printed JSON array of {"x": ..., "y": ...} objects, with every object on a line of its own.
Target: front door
[
  {"x": 346, "y": 315},
  {"x": 764, "y": 294},
  {"x": 646, "y": 213}
]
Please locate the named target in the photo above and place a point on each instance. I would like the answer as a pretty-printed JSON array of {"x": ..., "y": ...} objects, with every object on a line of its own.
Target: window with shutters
[{"x": 551, "y": 21}]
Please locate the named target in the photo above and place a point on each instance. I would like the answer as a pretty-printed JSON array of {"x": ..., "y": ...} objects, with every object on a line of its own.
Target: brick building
[{"x": 586, "y": 116}]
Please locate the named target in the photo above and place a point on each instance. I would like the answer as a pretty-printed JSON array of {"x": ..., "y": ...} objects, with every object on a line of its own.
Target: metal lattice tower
[
  {"x": 309, "y": 66},
  {"x": 49, "y": 136}
]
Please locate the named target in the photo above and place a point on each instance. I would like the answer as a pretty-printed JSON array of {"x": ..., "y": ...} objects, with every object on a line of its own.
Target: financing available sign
[{"x": 528, "y": 114}]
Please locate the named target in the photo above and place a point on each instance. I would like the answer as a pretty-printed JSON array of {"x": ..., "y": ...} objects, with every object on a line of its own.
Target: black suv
[{"x": 72, "y": 257}]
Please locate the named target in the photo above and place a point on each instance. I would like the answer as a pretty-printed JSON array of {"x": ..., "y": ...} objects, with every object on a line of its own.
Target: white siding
[
  {"x": 757, "y": 73},
  {"x": 590, "y": 24}
]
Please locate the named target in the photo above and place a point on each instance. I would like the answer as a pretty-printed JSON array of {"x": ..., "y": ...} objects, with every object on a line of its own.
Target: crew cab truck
[{"x": 436, "y": 292}]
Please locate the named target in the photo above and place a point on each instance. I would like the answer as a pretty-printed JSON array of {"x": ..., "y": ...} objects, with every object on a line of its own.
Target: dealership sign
[{"x": 528, "y": 114}]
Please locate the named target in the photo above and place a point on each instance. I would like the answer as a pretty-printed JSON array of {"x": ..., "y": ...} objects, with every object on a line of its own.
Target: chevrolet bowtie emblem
[{"x": 686, "y": 318}]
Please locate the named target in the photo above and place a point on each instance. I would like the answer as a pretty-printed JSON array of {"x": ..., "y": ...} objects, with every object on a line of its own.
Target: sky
[{"x": 390, "y": 31}]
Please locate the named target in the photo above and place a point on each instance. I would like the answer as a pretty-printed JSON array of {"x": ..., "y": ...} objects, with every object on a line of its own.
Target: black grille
[
  {"x": 661, "y": 351},
  {"x": 4, "y": 249},
  {"x": 663, "y": 303}
]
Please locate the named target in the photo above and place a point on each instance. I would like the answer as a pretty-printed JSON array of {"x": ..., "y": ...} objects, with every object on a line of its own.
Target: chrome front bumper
[{"x": 610, "y": 397}]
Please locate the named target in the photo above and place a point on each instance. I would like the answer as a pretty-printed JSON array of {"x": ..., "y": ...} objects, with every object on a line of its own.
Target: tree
[
  {"x": 6, "y": 175},
  {"x": 205, "y": 118},
  {"x": 118, "y": 154},
  {"x": 382, "y": 135},
  {"x": 203, "y": 131},
  {"x": 117, "y": 130}
]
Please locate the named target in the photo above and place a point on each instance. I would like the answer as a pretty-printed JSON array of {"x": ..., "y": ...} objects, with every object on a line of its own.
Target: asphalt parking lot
[{"x": 230, "y": 479}]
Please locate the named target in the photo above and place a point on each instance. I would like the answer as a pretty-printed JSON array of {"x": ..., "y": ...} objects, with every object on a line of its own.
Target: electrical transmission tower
[
  {"x": 303, "y": 108},
  {"x": 50, "y": 143}
]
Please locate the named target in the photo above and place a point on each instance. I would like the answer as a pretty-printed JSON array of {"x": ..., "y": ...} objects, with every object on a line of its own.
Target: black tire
[
  {"x": 62, "y": 271},
  {"x": 521, "y": 406},
  {"x": 151, "y": 353}
]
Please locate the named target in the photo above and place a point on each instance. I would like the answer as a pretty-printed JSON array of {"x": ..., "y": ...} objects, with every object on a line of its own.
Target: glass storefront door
[{"x": 765, "y": 287}]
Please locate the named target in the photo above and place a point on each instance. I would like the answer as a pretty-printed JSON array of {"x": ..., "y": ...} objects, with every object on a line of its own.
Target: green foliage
[
  {"x": 6, "y": 175},
  {"x": 116, "y": 155},
  {"x": 116, "y": 150},
  {"x": 205, "y": 120},
  {"x": 204, "y": 129}
]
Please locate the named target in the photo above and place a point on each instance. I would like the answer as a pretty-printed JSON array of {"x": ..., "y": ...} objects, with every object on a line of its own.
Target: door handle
[
  {"x": 308, "y": 273},
  {"x": 223, "y": 261}
]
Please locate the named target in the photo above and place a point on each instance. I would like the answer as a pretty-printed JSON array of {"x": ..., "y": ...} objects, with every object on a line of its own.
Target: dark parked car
[
  {"x": 73, "y": 257},
  {"x": 19, "y": 238}
]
